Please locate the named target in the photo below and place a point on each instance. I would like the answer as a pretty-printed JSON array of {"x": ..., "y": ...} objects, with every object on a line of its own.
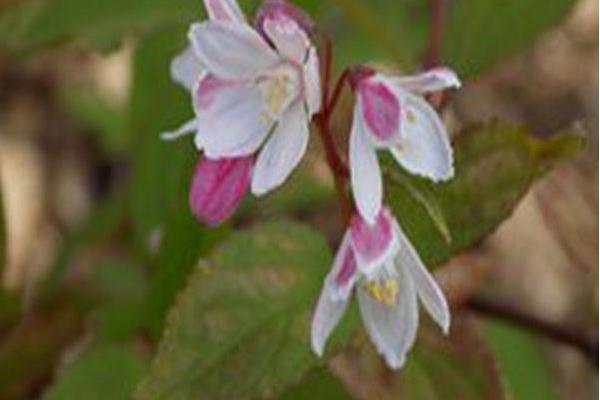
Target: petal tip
[{"x": 395, "y": 362}]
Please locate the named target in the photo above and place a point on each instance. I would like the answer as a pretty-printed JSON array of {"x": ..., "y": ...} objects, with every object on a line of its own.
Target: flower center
[
  {"x": 383, "y": 291},
  {"x": 384, "y": 287},
  {"x": 279, "y": 89}
]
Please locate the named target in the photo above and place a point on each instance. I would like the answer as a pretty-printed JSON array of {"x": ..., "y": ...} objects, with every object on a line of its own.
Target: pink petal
[
  {"x": 372, "y": 242},
  {"x": 347, "y": 267},
  {"x": 381, "y": 109},
  {"x": 218, "y": 187}
]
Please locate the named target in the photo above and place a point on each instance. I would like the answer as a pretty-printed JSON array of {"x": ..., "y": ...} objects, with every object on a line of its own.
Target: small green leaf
[
  {"x": 422, "y": 195},
  {"x": 240, "y": 328},
  {"x": 107, "y": 372},
  {"x": 495, "y": 166},
  {"x": 525, "y": 370}
]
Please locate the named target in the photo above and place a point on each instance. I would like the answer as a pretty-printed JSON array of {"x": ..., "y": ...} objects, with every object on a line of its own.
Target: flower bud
[
  {"x": 282, "y": 9},
  {"x": 218, "y": 187}
]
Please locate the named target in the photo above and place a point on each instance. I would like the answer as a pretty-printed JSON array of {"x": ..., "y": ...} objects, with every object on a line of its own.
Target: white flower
[
  {"x": 250, "y": 88},
  {"x": 391, "y": 114},
  {"x": 379, "y": 261}
]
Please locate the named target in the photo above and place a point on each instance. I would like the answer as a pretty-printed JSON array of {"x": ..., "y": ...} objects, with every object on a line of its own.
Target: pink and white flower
[
  {"x": 381, "y": 264},
  {"x": 253, "y": 90},
  {"x": 390, "y": 113}
]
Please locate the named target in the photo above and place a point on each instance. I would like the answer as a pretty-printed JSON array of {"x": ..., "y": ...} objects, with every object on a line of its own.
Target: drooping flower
[
  {"x": 253, "y": 91},
  {"x": 390, "y": 113},
  {"x": 378, "y": 261}
]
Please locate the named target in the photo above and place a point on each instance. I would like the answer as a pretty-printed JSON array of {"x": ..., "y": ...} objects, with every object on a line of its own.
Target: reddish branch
[
  {"x": 576, "y": 338},
  {"x": 436, "y": 25}
]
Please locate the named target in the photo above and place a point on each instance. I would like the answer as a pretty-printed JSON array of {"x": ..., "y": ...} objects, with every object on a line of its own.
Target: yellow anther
[{"x": 384, "y": 292}]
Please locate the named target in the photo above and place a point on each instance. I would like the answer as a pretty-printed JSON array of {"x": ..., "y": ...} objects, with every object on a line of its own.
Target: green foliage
[
  {"x": 481, "y": 33},
  {"x": 106, "y": 372},
  {"x": 157, "y": 104},
  {"x": 319, "y": 384},
  {"x": 477, "y": 35},
  {"x": 240, "y": 328},
  {"x": 184, "y": 240},
  {"x": 495, "y": 166},
  {"x": 121, "y": 291},
  {"x": 524, "y": 367},
  {"x": 458, "y": 366},
  {"x": 32, "y": 24}
]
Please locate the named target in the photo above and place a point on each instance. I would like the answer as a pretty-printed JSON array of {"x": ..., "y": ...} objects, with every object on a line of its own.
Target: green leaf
[
  {"x": 426, "y": 199},
  {"x": 240, "y": 328},
  {"x": 495, "y": 166},
  {"x": 121, "y": 291},
  {"x": 319, "y": 384},
  {"x": 477, "y": 33},
  {"x": 184, "y": 241},
  {"x": 481, "y": 33},
  {"x": 31, "y": 24},
  {"x": 520, "y": 356},
  {"x": 458, "y": 366},
  {"x": 107, "y": 372},
  {"x": 157, "y": 104}
]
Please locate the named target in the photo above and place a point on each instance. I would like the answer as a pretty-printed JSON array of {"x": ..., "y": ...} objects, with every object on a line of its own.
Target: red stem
[
  {"x": 436, "y": 12},
  {"x": 332, "y": 102},
  {"x": 434, "y": 53},
  {"x": 336, "y": 162}
]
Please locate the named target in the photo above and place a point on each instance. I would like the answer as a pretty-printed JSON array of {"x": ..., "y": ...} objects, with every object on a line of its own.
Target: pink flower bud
[
  {"x": 218, "y": 187},
  {"x": 282, "y": 9}
]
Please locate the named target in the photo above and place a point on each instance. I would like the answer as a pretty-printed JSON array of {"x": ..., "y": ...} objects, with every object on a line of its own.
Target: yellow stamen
[
  {"x": 278, "y": 91},
  {"x": 383, "y": 291}
]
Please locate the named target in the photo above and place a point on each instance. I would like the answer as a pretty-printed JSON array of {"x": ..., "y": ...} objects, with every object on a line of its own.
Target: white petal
[
  {"x": 424, "y": 148},
  {"x": 186, "y": 69},
  {"x": 233, "y": 124},
  {"x": 224, "y": 10},
  {"x": 288, "y": 37},
  {"x": 312, "y": 82},
  {"x": 365, "y": 173},
  {"x": 434, "y": 80},
  {"x": 334, "y": 296},
  {"x": 327, "y": 315},
  {"x": 231, "y": 50},
  {"x": 429, "y": 292},
  {"x": 283, "y": 151},
  {"x": 187, "y": 128},
  {"x": 392, "y": 329}
]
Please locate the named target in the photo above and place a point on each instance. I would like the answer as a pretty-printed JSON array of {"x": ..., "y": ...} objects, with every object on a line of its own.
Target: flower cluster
[{"x": 255, "y": 89}]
